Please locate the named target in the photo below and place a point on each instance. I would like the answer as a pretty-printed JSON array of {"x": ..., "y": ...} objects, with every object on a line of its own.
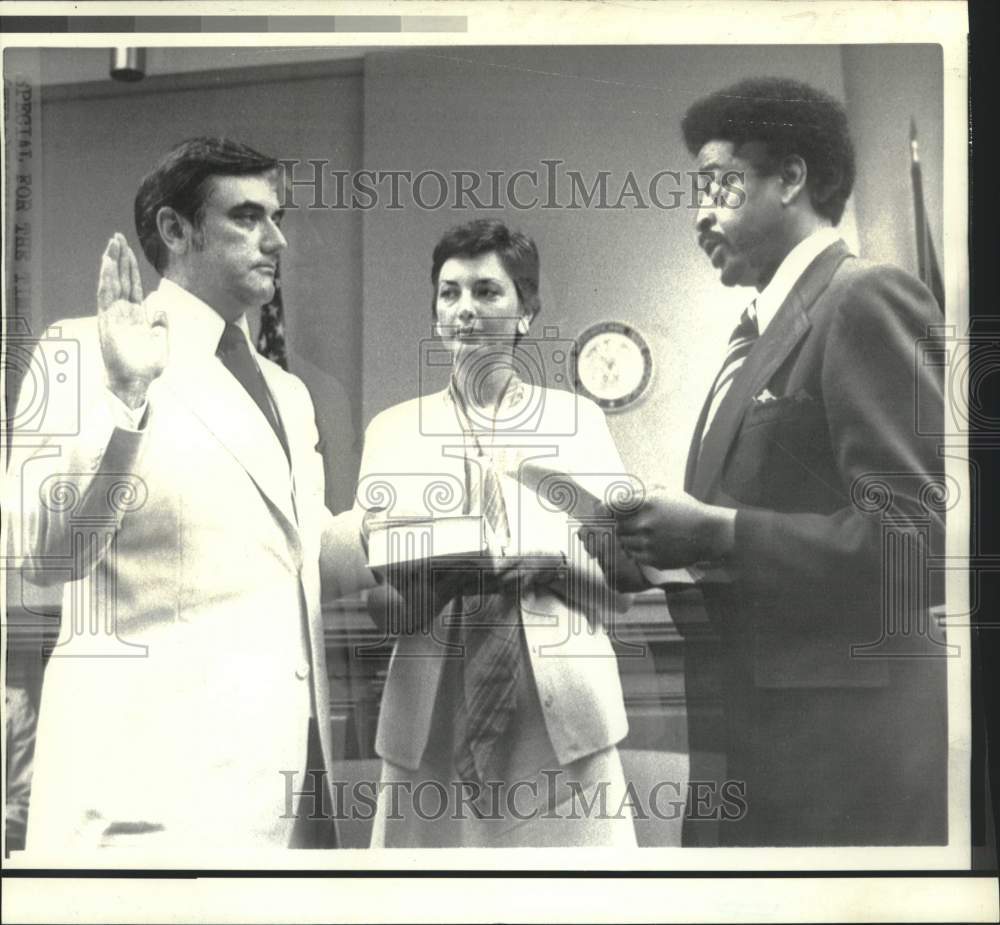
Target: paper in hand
[{"x": 584, "y": 497}]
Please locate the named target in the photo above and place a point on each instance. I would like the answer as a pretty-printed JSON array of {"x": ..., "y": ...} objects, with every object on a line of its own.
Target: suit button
[{"x": 302, "y": 672}]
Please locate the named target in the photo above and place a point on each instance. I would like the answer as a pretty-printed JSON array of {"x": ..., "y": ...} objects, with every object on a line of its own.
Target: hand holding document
[
  {"x": 582, "y": 497},
  {"x": 592, "y": 500}
]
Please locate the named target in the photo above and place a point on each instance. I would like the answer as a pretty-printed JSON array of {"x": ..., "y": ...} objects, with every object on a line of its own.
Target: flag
[
  {"x": 927, "y": 263},
  {"x": 271, "y": 339}
]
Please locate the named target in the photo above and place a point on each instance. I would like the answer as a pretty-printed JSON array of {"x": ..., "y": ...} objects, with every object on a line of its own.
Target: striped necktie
[
  {"x": 492, "y": 666},
  {"x": 741, "y": 341}
]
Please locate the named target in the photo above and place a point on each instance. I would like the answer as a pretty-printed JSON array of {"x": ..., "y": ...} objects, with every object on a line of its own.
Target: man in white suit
[{"x": 188, "y": 511}]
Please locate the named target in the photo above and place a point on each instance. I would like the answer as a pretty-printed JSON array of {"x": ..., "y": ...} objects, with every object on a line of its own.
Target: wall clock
[{"x": 612, "y": 364}]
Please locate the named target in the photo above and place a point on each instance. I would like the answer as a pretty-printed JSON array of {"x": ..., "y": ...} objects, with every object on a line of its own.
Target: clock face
[{"x": 613, "y": 364}]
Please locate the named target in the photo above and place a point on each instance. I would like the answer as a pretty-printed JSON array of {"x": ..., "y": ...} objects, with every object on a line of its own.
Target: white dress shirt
[{"x": 771, "y": 297}]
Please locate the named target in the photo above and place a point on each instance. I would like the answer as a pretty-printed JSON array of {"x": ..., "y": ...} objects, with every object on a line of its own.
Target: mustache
[{"x": 709, "y": 240}]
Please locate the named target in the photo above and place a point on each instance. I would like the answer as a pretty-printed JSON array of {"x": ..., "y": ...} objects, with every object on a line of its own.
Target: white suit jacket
[
  {"x": 414, "y": 452},
  {"x": 208, "y": 550}
]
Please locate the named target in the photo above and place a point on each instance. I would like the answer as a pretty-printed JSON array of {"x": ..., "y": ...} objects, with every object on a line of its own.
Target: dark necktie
[
  {"x": 492, "y": 663},
  {"x": 741, "y": 341},
  {"x": 234, "y": 352}
]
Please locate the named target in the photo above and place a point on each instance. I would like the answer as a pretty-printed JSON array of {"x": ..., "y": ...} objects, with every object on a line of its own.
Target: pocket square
[{"x": 765, "y": 396}]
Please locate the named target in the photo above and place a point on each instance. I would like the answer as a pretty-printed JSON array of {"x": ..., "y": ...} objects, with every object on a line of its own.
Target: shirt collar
[
  {"x": 773, "y": 295},
  {"x": 194, "y": 326}
]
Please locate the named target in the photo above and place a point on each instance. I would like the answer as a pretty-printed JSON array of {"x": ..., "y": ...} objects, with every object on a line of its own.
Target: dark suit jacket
[{"x": 833, "y": 481}]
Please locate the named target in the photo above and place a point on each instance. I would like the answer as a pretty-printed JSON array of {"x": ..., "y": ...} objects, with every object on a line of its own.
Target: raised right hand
[{"x": 133, "y": 342}]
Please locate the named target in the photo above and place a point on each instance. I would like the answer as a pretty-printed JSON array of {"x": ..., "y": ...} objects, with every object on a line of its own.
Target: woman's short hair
[
  {"x": 516, "y": 251},
  {"x": 181, "y": 181},
  {"x": 789, "y": 117}
]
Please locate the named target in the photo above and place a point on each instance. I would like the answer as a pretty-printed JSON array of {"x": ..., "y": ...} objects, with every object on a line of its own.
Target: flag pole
[
  {"x": 917, "y": 180},
  {"x": 927, "y": 265}
]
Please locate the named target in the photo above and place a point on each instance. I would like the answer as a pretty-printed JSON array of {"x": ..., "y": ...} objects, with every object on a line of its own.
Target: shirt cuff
[{"x": 126, "y": 418}]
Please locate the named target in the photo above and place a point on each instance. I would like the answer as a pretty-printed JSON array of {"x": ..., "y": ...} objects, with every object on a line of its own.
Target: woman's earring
[{"x": 522, "y": 325}]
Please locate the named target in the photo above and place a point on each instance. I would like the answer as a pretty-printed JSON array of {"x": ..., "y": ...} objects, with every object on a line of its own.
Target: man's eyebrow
[{"x": 247, "y": 206}]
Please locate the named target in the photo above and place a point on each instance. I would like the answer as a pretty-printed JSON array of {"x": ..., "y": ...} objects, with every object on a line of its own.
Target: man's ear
[
  {"x": 176, "y": 232},
  {"x": 794, "y": 173}
]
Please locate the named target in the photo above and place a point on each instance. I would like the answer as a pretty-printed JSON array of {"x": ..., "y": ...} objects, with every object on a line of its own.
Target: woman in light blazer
[{"x": 502, "y": 707}]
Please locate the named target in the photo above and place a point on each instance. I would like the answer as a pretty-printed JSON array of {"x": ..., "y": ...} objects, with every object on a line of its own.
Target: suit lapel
[
  {"x": 300, "y": 453},
  {"x": 213, "y": 395},
  {"x": 786, "y": 329}
]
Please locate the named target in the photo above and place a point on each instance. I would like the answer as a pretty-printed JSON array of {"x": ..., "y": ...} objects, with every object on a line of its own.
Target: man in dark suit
[{"x": 808, "y": 481}]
